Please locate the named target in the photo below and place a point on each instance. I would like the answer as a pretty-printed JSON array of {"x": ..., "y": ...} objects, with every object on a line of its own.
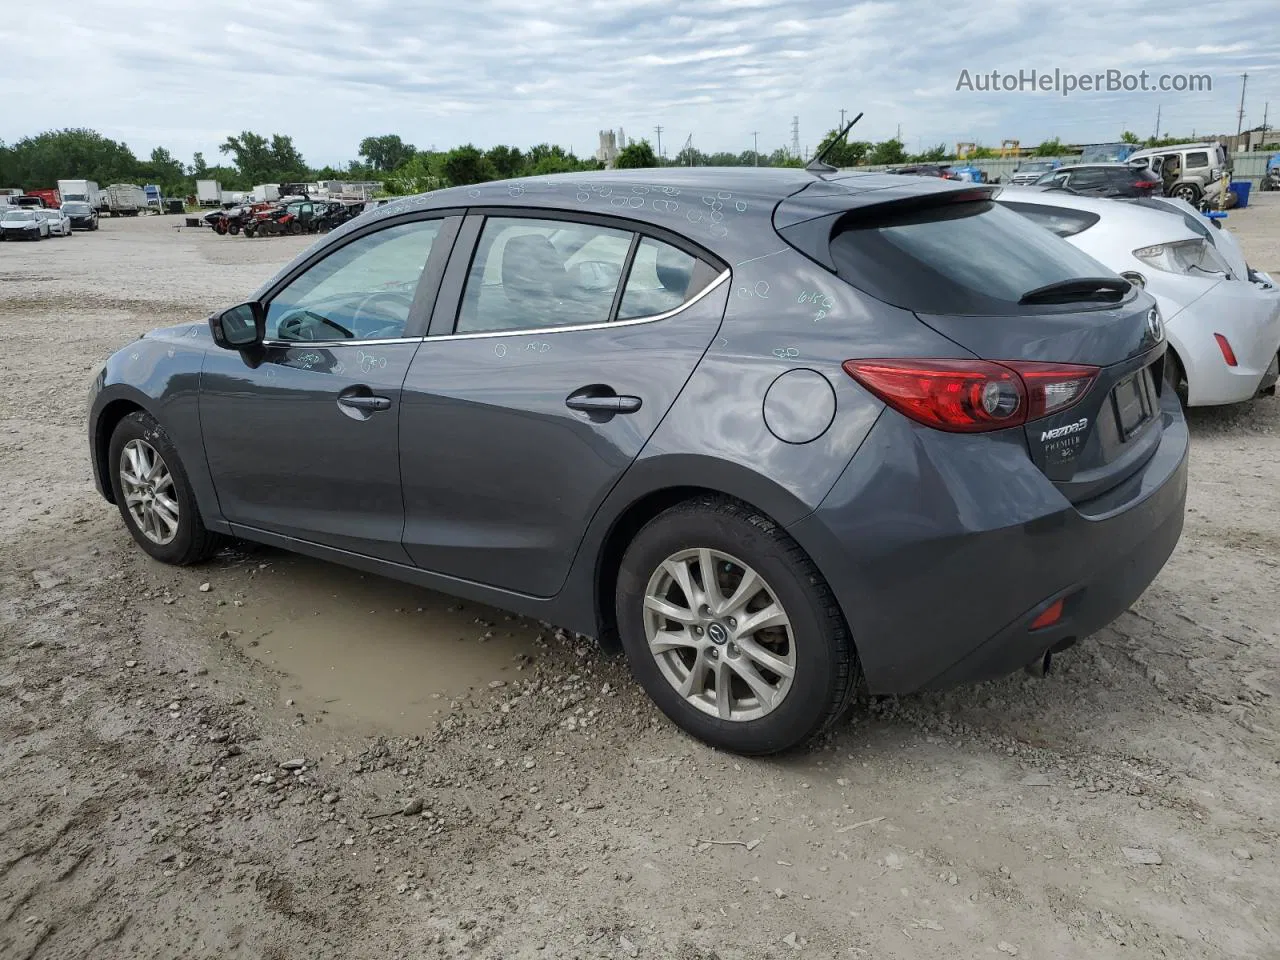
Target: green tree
[
  {"x": 44, "y": 159},
  {"x": 251, "y": 153},
  {"x": 848, "y": 154},
  {"x": 466, "y": 164},
  {"x": 387, "y": 152},
  {"x": 1051, "y": 148},
  {"x": 198, "y": 169},
  {"x": 1129, "y": 136},
  {"x": 287, "y": 162},
  {"x": 889, "y": 151},
  {"x": 636, "y": 155},
  {"x": 508, "y": 161},
  {"x": 690, "y": 157},
  {"x": 724, "y": 159},
  {"x": 933, "y": 155}
]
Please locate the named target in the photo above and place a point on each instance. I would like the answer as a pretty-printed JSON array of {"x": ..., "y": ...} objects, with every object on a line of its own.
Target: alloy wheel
[
  {"x": 719, "y": 634},
  {"x": 149, "y": 492}
]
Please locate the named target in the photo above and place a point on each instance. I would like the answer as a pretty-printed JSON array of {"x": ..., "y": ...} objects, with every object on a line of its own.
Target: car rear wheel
[
  {"x": 1176, "y": 376},
  {"x": 154, "y": 495},
  {"x": 1187, "y": 192},
  {"x": 732, "y": 630}
]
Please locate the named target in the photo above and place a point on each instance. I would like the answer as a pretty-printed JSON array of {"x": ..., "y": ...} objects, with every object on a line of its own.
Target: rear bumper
[
  {"x": 942, "y": 549},
  {"x": 1248, "y": 316}
]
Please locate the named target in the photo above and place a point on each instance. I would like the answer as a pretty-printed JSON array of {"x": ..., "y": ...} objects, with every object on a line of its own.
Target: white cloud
[{"x": 185, "y": 74}]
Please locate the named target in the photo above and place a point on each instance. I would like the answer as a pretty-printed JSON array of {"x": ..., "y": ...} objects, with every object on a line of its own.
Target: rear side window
[
  {"x": 1059, "y": 220},
  {"x": 973, "y": 257},
  {"x": 1199, "y": 158},
  {"x": 530, "y": 274},
  {"x": 661, "y": 279}
]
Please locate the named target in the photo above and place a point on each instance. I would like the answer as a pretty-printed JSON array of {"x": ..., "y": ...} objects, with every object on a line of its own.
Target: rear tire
[
  {"x": 811, "y": 639},
  {"x": 182, "y": 538},
  {"x": 1176, "y": 376},
  {"x": 1188, "y": 192}
]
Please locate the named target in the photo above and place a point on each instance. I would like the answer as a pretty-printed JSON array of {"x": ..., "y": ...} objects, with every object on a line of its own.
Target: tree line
[{"x": 249, "y": 158}]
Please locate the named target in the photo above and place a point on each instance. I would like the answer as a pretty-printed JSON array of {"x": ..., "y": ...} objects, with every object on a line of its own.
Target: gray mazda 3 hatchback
[{"x": 781, "y": 434}]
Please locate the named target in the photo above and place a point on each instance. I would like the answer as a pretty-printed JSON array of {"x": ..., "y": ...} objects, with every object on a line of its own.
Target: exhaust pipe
[{"x": 1042, "y": 666}]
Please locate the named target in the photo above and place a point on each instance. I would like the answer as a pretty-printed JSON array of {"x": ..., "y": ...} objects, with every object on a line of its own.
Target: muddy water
[{"x": 367, "y": 652}]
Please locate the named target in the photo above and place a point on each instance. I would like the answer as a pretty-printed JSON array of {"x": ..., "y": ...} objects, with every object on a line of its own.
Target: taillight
[
  {"x": 971, "y": 396},
  {"x": 1146, "y": 184}
]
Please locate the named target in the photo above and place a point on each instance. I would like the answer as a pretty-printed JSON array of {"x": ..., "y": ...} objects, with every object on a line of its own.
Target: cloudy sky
[{"x": 186, "y": 73}]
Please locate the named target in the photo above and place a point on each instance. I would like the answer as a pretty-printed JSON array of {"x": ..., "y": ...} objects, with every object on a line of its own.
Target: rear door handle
[
  {"x": 614, "y": 404},
  {"x": 366, "y": 404}
]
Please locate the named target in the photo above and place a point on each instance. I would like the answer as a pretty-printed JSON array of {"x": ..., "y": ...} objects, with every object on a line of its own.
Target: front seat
[{"x": 532, "y": 276}]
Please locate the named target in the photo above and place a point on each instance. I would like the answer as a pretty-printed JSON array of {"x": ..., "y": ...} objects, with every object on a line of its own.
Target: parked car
[
  {"x": 1108, "y": 152},
  {"x": 1222, "y": 322},
  {"x": 1102, "y": 180},
  {"x": 923, "y": 170},
  {"x": 742, "y": 425},
  {"x": 81, "y": 213},
  {"x": 1187, "y": 169},
  {"x": 1029, "y": 171},
  {"x": 20, "y": 223},
  {"x": 59, "y": 222}
]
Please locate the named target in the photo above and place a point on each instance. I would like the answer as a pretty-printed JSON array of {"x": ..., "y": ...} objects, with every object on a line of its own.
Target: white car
[
  {"x": 1222, "y": 319},
  {"x": 19, "y": 223},
  {"x": 59, "y": 222}
]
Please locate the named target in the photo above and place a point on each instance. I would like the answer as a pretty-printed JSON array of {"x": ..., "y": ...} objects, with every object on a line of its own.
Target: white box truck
[
  {"x": 208, "y": 193},
  {"x": 265, "y": 193},
  {"x": 126, "y": 199},
  {"x": 84, "y": 190}
]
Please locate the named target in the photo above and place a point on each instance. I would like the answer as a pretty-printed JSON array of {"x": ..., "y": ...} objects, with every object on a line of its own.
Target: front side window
[
  {"x": 532, "y": 274},
  {"x": 1199, "y": 158},
  {"x": 362, "y": 291}
]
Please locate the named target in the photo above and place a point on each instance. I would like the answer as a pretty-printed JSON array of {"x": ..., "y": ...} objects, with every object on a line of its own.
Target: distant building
[{"x": 611, "y": 143}]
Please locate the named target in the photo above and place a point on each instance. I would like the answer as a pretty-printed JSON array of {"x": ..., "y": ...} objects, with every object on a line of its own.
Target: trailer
[
  {"x": 126, "y": 199},
  {"x": 208, "y": 193},
  {"x": 85, "y": 191},
  {"x": 265, "y": 193}
]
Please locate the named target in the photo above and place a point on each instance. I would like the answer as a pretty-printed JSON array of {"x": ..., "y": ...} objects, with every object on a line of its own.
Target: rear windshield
[
  {"x": 75, "y": 207},
  {"x": 973, "y": 257}
]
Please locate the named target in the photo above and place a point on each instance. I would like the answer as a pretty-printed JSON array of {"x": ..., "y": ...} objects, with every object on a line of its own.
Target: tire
[
  {"x": 233, "y": 228},
  {"x": 815, "y": 644},
  {"x": 1188, "y": 192},
  {"x": 1176, "y": 376},
  {"x": 188, "y": 541}
]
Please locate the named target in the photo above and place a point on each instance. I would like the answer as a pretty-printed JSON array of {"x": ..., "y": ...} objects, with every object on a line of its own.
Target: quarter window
[
  {"x": 532, "y": 274},
  {"x": 661, "y": 278},
  {"x": 1198, "y": 159},
  {"x": 362, "y": 291}
]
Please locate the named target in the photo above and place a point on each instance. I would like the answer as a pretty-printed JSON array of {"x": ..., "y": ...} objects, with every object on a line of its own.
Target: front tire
[
  {"x": 732, "y": 630},
  {"x": 154, "y": 495}
]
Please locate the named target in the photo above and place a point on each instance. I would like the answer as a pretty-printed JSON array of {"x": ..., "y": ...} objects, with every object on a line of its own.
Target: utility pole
[
  {"x": 795, "y": 137},
  {"x": 898, "y": 135},
  {"x": 1244, "y": 82},
  {"x": 658, "y": 131},
  {"x": 1157, "y": 135},
  {"x": 1265, "y": 108},
  {"x": 842, "y": 113},
  {"x": 755, "y": 147}
]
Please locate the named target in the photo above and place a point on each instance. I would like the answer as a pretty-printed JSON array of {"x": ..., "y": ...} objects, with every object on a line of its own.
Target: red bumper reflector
[
  {"x": 1049, "y": 617},
  {"x": 1228, "y": 354}
]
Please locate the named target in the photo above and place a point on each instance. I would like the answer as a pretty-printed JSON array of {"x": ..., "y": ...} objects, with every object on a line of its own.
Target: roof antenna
[{"x": 818, "y": 164}]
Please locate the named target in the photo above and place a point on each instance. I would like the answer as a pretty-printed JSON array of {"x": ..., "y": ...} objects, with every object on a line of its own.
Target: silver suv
[{"x": 1186, "y": 168}]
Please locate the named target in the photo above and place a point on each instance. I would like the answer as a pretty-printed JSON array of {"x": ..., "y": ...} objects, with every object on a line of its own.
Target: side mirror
[{"x": 243, "y": 327}]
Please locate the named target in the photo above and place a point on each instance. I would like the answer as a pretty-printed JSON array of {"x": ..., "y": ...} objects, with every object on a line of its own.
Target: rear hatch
[{"x": 1085, "y": 347}]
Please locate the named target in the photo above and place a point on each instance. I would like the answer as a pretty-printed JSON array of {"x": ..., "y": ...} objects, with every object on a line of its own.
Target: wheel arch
[
  {"x": 649, "y": 489},
  {"x": 106, "y": 419}
]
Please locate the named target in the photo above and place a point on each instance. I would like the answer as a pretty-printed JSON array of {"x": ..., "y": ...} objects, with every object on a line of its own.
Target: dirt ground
[{"x": 271, "y": 757}]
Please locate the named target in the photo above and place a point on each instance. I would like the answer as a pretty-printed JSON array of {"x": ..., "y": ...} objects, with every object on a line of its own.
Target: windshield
[
  {"x": 76, "y": 208},
  {"x": 49, "y": 214},
  {"x": 1107, "y": 152},
  {"x": 19, "y": 215},
  {"x": 972, "y": 257},
  {"x": 1035, "y": 165}
]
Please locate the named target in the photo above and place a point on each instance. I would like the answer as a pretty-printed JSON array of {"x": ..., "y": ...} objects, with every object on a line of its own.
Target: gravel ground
[{"x": 190, "y": 768}]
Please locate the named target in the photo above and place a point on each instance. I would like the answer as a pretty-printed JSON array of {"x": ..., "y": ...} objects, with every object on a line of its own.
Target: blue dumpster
[{"x": 1241, "y": 189}]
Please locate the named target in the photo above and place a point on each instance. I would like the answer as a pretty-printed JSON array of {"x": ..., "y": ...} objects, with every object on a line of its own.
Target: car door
[
  {"x": 303, "y": 442},
  {"x": 554, "y": 353}
]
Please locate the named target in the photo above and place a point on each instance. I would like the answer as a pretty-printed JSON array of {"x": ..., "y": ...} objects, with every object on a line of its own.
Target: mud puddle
[{"x": 368, "y": 652}]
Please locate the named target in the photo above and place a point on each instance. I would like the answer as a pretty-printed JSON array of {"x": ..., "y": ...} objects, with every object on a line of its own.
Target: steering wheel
[
  {"x": 296, "y": 326},
  {"x": 370, "y": 306}
]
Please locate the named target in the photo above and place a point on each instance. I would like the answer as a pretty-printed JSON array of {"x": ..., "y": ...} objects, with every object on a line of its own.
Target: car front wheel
[
  {"x": 732, "y": 630},
  {"x": 154, "y": 496}
]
